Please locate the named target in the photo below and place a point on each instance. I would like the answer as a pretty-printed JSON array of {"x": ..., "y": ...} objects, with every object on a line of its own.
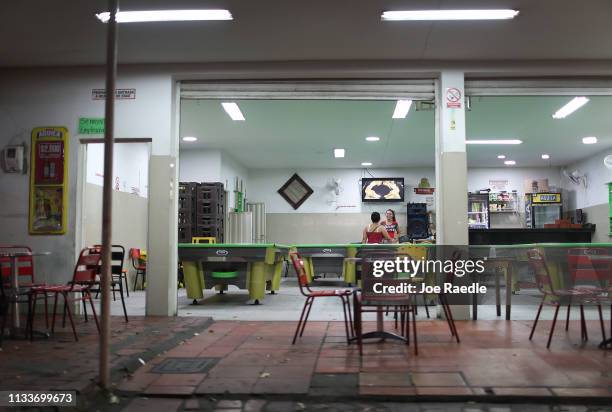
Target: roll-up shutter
[
  {"x": 337, "y": 90},
  {"x": 538, "y": 87}
]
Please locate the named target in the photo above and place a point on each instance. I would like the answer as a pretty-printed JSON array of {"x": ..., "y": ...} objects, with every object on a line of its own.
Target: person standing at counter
[
  {"x": 391, "y": 224},
  {"x": 375, "y": 232}
]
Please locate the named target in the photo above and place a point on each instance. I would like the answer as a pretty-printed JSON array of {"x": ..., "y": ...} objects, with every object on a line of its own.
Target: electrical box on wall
[{"x": 12, "y": 159}]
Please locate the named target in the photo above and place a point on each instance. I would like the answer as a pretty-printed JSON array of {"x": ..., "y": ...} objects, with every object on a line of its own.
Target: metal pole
[{"x": 107, "y": 196}]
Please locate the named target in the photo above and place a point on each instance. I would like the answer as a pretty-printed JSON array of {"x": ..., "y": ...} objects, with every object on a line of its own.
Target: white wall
[
  {"x": 58, "y": 97},
  {"x": 130, "y": 167},
  {"x": 598, "y": 176},
  {"x": 264, "y": 184}
]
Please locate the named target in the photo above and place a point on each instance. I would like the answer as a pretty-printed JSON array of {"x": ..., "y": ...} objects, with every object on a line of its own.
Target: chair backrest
[
  {"x": 537, "y": 263},
  {"x": 368, "y": 296},
  {"x": 117, "y": 258},
  {"x": 136, "y": 258},
  {"x": 25, "y": 264},
  {"x": 300, "y": 271},
  {"x": 583, "y": 266},
  {"x": 87, "y": 267}
]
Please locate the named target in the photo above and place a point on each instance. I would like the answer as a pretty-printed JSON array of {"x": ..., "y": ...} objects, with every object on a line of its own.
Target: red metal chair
[
  {"x": 591, "y": 276},
  {"x": 139, "y": 266},
  {"x": 551, "y": 295},
  {"x": 344, "y": 295},
  {"x": 83, "y": 278},
  {"x": 26, "y": 278}
]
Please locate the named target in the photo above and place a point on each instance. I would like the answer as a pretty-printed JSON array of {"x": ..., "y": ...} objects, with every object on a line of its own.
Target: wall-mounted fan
[
  {"x": 335, "y": 185},
  {"x": 608, "y": 161},
  {"x": 576, "y": 177}
]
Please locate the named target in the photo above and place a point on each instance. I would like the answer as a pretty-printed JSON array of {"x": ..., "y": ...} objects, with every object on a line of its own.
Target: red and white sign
[
  {"x": 424, "y": 190},
  {"x": 49, "y": 162},
  {"x": 453, "y": 98}
]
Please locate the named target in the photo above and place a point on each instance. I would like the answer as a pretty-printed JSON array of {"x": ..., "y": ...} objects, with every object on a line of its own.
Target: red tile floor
[{"x": 493, "y": 358}]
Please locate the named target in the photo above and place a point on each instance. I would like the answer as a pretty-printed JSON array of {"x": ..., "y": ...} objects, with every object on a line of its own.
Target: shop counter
[
  {"x": 513, "y": 236},
  {"x": 256, "y": 267}
]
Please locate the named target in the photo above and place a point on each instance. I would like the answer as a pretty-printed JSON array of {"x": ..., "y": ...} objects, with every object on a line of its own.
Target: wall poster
[{"x": 49, "y": 181}]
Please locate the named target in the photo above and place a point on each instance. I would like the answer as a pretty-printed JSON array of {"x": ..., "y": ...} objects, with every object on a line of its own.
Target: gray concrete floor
[{"x": 287, "y": 305}]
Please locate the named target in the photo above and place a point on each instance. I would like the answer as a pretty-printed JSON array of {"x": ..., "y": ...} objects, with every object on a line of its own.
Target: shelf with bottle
[{"x": 504, "y": 202}]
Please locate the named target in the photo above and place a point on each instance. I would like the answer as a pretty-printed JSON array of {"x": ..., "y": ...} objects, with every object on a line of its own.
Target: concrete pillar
[
  {"x": 451, "y": 166},
  {"x": 162, "y": 251}
]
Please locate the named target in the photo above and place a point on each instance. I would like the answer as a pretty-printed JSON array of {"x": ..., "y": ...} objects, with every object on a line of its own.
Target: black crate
[
  {"x": 209, "y": 208},
  {"x": 186, "y": 202},
  {"x": 185, "y": 233},
  {"x": 185, "y": 218},
  {"x": 208, "y": 220},
  {"x": 203, "y": 193},
  {"x": 209, "y": 231},
  {"x": 187, "y": 188}
]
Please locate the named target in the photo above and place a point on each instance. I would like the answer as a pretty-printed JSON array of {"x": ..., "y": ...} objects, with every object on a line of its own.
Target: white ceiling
[
  {"x": 65, "y": 32},
  {"x": 303, "y": 133}
]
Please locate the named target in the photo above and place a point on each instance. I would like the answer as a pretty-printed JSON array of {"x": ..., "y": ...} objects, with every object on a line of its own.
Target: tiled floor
[{"x": 493, "y": 358}]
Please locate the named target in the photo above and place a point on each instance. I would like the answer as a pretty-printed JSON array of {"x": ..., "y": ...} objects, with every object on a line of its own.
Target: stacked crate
[
  {"x": 209, "y": 211},
  {"x": 201, "y": 211}
]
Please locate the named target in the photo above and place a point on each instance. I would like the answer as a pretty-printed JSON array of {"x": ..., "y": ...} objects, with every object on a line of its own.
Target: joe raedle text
[{"x": 403, "y": 288}]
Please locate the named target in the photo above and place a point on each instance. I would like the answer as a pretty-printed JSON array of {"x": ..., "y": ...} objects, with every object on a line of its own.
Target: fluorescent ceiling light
[
  {"x": 338, "y": 152},
  {"x": 510, "y": 162},
  {"x": 166, "y": 15},
  {"x": 492, "y": 141},
  {"x": 501, "y": 156},
  {"x": 545, "y": 156},
  {"x": 372, "y": 138},
  {"x": 492, "y": 14},
  {"x": 573, "y": 105},
  {"x": 233, "y": 111},
  {"x": 589, "y": 140},
  {"x": 366, "y": 164},
  {"x": 189, "y": 139},
  {"x": 402, "y": 107}
]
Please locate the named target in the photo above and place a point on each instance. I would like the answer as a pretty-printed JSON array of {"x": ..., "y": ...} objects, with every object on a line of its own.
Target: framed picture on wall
[{"x": 295, "y": 191}]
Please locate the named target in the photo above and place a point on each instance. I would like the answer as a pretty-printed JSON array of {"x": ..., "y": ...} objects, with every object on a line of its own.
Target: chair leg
[
  {"x": 64, "y": 315},
  {"x": 54, "y": 312},
  {"x": 552, "y": 328},
  {"x": 84, "y": 306},
  {"x": 46, "y": 310},
  {"x": 414, "y": 331},
  {"x": 67, "y": 307},
  {"x": 297, "y": 329},
  {"x": 452, "y": 320},
  {"x": 125, "y": 280},
  {"x": 407, "y": 323},
  {"x": 535, "y": 322},
  {"x": 306, "y": 317},
  {"x": 569, "y": 305},
  {"x": 346, "y": 325},
  {"x": 350, "y": 316},
  {"x": 93, "y": 310},
  {"x": 135, "y": 280},
  {"x": 446, "y": 315},
  {"x": 358, "y": 326},
  {"x": 601, "y": 323},
  {"x": 585, "y": 334},
  {"x": 426, "y": 307},
  {"x": 32, "y": 314},
  {"x": 123, "y": 301}
]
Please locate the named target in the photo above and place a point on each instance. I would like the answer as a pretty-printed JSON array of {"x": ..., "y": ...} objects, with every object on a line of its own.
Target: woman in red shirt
[
  {"x": 375, "y": 232},
  {"x": 391, "y": 224}
]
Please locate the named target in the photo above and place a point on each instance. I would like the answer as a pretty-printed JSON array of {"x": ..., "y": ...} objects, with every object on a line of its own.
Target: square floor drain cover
[{"x": 185, "y": 365}]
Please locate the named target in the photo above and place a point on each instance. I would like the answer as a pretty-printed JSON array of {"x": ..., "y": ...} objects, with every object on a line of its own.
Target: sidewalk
[{"x": 187, "y": 362}]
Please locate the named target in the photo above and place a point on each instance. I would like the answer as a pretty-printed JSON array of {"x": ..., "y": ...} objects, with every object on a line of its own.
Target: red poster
[{"x": 49, "y": 162}]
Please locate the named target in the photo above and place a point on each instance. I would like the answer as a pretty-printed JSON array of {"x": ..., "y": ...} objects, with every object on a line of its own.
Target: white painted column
[
  {"x": 163, "y": 218},
  {"x": 451, "y": 167}
]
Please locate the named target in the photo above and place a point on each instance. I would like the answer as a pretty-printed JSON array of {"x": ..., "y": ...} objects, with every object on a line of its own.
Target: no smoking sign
[{"x": 453, "y": 98}]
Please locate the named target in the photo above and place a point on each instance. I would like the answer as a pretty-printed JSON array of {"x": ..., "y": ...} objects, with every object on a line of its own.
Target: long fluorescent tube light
[
  {"x": 338, "y": 152},
  {"x": 507, "y": 141},
  {"x": 589, "y": 140},
  {"x": 545, "y": 156},
  {"x": 509, "y": 162},
  {"x": 166, "y": 15},
  {"x": 372, "y": 138},
  {"x": 492, "y": 14},
  {"x": 402, "y": 107},
  {"x": 573, "y": 105},
  {"x": 501, "y": 156},
  {"x": 233, "y": 111},
  {"x": 190, "y": 139},
  {"x": 366, "y": 164}
]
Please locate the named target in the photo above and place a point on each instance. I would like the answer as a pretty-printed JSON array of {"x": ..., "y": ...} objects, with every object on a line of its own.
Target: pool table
[
  {"x": 256, "y": 267},
  {"x": 339, "y": 257}
]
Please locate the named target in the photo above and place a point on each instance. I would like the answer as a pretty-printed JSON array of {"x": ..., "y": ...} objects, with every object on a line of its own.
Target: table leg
[
  {"x": 508, "y": 289},
  {"x": 379, "y": 320},
  {"x": 15, "y": 291}
]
